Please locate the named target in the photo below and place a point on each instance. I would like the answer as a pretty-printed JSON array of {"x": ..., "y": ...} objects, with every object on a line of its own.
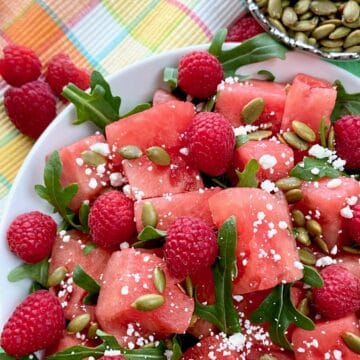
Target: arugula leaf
[
  {"x": 176, "y": 348},
  {"x": 268, "y": 75},
  {"x": 150, "y": 237},
  {"x": 209, "y": 105},
  {"x": 346, "y": 104},
  {"x": 278, "y": 310},
  {"x": 35, "y": 286},
  {"x": 217, "y": 42},
  {"x": 88, "y": 248},
  {"x": 312, "y": 277},
  {"x": 83, "y": 217},
  {"x": 37, "y": 272},
  {"x": 86, "y": 282},
  {"x": 170, "y": 77},
  {"x": 4, "y": 356},
  {"x": 303, "y": 170},
  {"x": 322, "y": 132},
  {"x": 53, "y": 192},
  {"x": 223, "y": 313},
  {"x": 247, "y": 178}
]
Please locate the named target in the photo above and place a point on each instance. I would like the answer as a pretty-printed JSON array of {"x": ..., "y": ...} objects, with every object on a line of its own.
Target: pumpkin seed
[
  {"x": 267, "y": 357},
  {"x": 148, "y": 302},
  {"x": 307, "y": 257},
  {"x": 351, "y": 12},
  {"x": 303, "y": 131},
  {"x": 351, "y": 250},
  {"x": 91, "y": 334},
  {"x": 288, "y": 183},
  {"x": 293, "y": 196},
  {"x": 307, "y": 16},
  {"x": 78, "y": 323},
  {"x": 193, "y": 320},
  {"x": 305, "y": 25},
  {"x": 313, "y": 227},
  {"x": 304, "y": 307},
  {"x": 299, "y": 217},
  {"x": 252, "y": 110},
  {"x": 57, "y": 276},
  {"x": 352, "y": 39},
  {"x": 302, "y": 6},
  {"x": 332, "y": 43},
  {"x": 323, "y": 31},
  {"x": 354, "y": 49},
  {"x": 181, "y": 288},
  {"x": 323, "y": 7},
  {"x": 289, "y": 16},
  {"x": 312, "y": 41},
  {"x": 158, "y": 155},
  {"x": 274, "y": 9},
  {"x": 336, "y": 22},
  {"x": 301, "y": 37},
  {"x": 285, "y": 3},
  {"x": 159, "y": 279},
  {"x": 295, "y": 141},
  {"x": 303, "y": 236},
  {"x": 130, "y": 152},
  {"x": 339, "y": 33},
  {"x": 319, "y": 241},
  {"x": 331, "y": 139},
  {"x": 330, "y": 50},
  {"x": 276, "y": 23},
  {"x": 352, "y": 341},
  {"x": 351, "y": 25},
  {"x": 189, "y": 286},
  {"x": 93, "y": 158},
  {"x": 149, "y": 214},
  {"x": 261, "y": 3},
  {"x": 259, "y": 135}
]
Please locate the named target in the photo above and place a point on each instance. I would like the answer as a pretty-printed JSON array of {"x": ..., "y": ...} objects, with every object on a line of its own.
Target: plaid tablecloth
[{"x": 104, "y": 35}]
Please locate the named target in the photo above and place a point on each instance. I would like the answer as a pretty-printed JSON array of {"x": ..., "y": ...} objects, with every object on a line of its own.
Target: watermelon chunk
[
  {"x": 275, "y": 159},
  {"x": 68, "y": 251},
  {"x": 266, "y": 250},
  {"x": 169, "y": 208},
  {"x": 128, "y": 275},
  {"x": 160, "y": 125},
  {"x": 65, "y": 342},
  {"x": 322, "y": 198},
  {"x": 88, "y": 178},
  {"x": 309, "y": 100},
  {"x": 325, "y": 342},
  {"x": 232, "y": 98}
]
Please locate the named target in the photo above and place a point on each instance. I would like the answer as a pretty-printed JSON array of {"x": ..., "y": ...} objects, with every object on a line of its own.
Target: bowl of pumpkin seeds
[{"x": 330, "y": 29}]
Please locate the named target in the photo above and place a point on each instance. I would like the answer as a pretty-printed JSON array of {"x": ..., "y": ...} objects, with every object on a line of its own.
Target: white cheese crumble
[
  {"x": 116, "y": 179},
  {"x": 267, "y": 161},
  {"x": 325, "y": 261},
  {"x": 346, "y": 212},
  {"x": 101, "y": 148},
  {"x": 333, "y": 183},
  {"x": 93, "y": 183}
]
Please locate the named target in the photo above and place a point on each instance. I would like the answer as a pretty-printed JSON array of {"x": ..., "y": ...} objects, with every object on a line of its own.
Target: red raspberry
[
  {"x": 20, "y": 65},
  {"x": 31, "y": 236},
  {"x": 31, "y": 107},
  {"x": 61, "y": 71},
  {"x": 111, "y": 219},
  {"x": 199, "y": 74},
  {"x": 211, "y": 142},
  {"x": 353, "y": 224},
  {"x": 190, "y": 246},
  {"x": 347, "y": 136},
  {"x": 243, "y": 28},
  {"x": 340, "y": 295},
  {"x": 37, "y": 323}
]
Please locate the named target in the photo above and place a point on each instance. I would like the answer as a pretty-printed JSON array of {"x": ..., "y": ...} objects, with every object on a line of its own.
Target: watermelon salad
[{"x": 219, "y": 221}]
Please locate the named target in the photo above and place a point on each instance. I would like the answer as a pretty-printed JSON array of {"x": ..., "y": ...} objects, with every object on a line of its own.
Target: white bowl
[{"x": 134, "y": 84}]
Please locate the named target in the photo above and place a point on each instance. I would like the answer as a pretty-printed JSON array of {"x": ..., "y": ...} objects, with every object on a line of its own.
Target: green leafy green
[
  {"x": 4, "y": 356},
  {"x": 304, "y": 170},
  {"x": 209, "y": 105},
  {"x": 278, "y": 310},
  {"x": 241, "y": 140},
  {"x": 268, "y": 75},
  {"x": 148, "y": 235},
  {"x": 176, "y": 348},
  {"x": 83, "y": 217},
  {"x": 312, "y": 277},
  {"x": 170, "y": 77},
  {"x": 323, "y": 132},
  {"x": 247, "y": 177},
  {"x": 37, "y": 272},
  {"x": 223, "y": 313},
  {"x": 86, "y": 282},
  {"x": 35, "y": 286},
  {"x": 217, "y": 42},
  {"x": 346, "y": 104},
  {"x": 88, "y": 248}
]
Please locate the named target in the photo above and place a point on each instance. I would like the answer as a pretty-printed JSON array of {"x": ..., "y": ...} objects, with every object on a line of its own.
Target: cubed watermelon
[
  {"x": 324, "y": 202},
  {"x": 232, "y": 98},
  {"x": 129, "y": 275},
  {"x": 325, "y": 341},
  {"x": 160, "y": 125},
  {"x": 309, "y": 100},
  {"x": 266, "y": 250},
  {"x": 65, "y": 342},
  {"x": 169, "y": 208},
  {"x": 275, "y": 159},
  {"x": 68, "y": 251},
  {"x": 89, "y": 179}
]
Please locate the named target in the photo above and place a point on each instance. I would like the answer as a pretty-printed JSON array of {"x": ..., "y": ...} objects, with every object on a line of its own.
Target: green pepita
[
  {"x": 331, "y": 139},
  {"x": 352, "y": 341},
  {"x": 91, "y": 334},
  {"x": 351, "y": 25},
  {"x": 323, "y": 31},
  {"x": 319, "y": 241},
  {"x": 148, "y": 302},
  {"x": 285, "y": 3},
  {"x": 323, "y": 7},
  {"x": 305, "y": 25},
  {"x": 332, "y": 43},
  {"x": 149, "y": 214},
  {"x": 93, "y": 158},
  {"x": 261, "y": 3},
  {"x": 313, "y": 227},
  {"x": 351, "y": 250},
  {"x": 339, "y": 33},
  {"x": 301, "y": 37},
  {"x": 274, "y": 9},
  {"x": 267, "y": 357},
  {"x": 189, "y": 286},
  {"x": 351, "y": 12},
  {"x": 130, "y": 152},
  {"x": 276, "y": 23},
  {"x": 295, "y": 141},
  {"x": 293, "y": 196},
  {"x": 302, "y": 6},
  {"x": 353, "y": 49},
  {"x": 303, "y": 131},
  {"x": 78, "y": 323},
  {"x": 193, "y": 320},
  {"x": 289, "y": 16},
  {"x": 299, "y": 217},
  {"x": 302, "y": 236},
  {"x": 159, "y": 279},
  {"x": 330, "y": 50},
  {"x": 307, "y": 257},
  {"x": 307, "y": 16},
  {"x": 304, "y": 306},
  {"x": 57, "y": 276},
  {"x": 312, "y": 41},
  {"x": 252, "y": 110},
  {"x": 158, "y": 155},
  {"x": 288, "y": 183},
  {"x": 352, "y": 39},
  {"x": 259, "y": 135},
  {"x": 336, "y": 22}
]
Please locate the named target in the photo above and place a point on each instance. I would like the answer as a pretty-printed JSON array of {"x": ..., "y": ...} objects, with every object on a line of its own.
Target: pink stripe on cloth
[{"x": 192, "y": 16}]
